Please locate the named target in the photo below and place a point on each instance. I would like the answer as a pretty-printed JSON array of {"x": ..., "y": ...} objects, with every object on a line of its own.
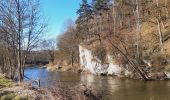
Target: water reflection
[{"x": 110, "y": 87}]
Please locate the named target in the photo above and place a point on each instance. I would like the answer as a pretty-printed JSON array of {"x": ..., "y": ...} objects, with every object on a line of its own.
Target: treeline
[
  {"x": 21, "y": 26},
  {"x": 136, "y": 32},
  {"x": 67, "y": 52},
  {"x": 44, "y": 54}
]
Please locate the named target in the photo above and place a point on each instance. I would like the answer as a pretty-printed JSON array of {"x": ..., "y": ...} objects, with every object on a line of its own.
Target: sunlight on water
[{"x": 110, "y": 87}]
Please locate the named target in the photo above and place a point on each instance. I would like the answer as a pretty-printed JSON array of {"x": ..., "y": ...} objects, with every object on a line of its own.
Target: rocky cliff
[{"x": 90, "y": 62}]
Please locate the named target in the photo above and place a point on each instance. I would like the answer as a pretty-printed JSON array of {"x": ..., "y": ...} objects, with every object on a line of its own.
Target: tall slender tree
[{"x": 84, "y": 16}]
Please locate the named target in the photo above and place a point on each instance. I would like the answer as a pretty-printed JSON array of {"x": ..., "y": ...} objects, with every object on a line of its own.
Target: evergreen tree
[
  {"x": 84, "y": 14},
  {"x": 84, "y": 11},
  {"x": 101, "y": 5}
]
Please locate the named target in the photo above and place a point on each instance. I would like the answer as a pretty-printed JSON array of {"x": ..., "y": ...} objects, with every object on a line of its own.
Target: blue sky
[{"x": 57, "y": 12}]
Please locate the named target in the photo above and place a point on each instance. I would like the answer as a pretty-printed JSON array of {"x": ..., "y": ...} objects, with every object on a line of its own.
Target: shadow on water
[{"x": 110, "y": 87}]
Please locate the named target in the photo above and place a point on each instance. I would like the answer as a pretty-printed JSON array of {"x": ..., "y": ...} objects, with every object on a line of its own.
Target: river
[{"x": 111, "y": 88}]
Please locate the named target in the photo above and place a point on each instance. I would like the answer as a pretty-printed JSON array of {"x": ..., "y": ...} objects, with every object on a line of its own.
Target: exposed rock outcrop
[{"x": 95, "y": 66}]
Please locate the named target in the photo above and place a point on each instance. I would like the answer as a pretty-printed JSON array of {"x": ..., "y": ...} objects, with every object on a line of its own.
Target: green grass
[
  {"x": 22, "y": 98},
  {"x": 13, "y": 96},
  {"x": 5, "y": 82},
  {"x": 8, "y": 95}
]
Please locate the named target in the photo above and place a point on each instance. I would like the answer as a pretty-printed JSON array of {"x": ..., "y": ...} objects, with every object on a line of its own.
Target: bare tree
[
  {"x": 68, "y": 45},
  {"x": 22, "y": 21},
  {"x": 49, "y": 46}
]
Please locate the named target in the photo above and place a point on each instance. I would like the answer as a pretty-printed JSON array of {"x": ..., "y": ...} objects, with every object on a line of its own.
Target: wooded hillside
[{"x": 136, "y": 32}]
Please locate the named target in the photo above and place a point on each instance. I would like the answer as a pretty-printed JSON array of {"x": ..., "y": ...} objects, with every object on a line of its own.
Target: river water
[{"x": 111, "y": 88}]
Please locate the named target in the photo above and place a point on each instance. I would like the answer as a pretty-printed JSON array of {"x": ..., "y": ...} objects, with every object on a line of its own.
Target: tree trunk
[
  {"x": 19, "y": 51},
  {"x": 72, "y": 59},
  {"x": 136, "y": 67},
  {"x": 138, "y": 31},
  {"x": 160, "y": 35}
]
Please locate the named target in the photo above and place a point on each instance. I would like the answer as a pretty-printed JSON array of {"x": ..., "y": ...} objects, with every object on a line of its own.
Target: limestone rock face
[
  {"x": 114, "y": 69},
  {"x": 94, "y": 65},
  {"x": 90, "y": 62}
]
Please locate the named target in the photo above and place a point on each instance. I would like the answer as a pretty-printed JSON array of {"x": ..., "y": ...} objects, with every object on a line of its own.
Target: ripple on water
[{"x": 110, "y": 87}]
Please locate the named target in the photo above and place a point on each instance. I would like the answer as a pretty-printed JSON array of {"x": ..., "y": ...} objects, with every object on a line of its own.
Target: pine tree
[
  {"x": 101, "y": 5},
  {"x": 84, "y": 14},
  {"x": 85, "y": 10}
]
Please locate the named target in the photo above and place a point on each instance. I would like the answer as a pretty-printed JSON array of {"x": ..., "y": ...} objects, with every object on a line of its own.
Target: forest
[
  {"x": 135, "y": 32},
  {"x": 102, "y": 54}
]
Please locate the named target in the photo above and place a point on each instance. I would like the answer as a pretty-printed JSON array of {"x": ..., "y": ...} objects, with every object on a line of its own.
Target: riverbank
[
  {"x": 110, "y": 88},
  {"x": 64, "y": 68},
  {"x": 9, "y": 90},
  {"x": 154, "y": 74}
]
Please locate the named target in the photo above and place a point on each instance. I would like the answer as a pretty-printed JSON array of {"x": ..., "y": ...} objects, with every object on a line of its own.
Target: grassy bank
[
  {"x": 5, "y": 82},
  {"x": 10, "y": 91}
]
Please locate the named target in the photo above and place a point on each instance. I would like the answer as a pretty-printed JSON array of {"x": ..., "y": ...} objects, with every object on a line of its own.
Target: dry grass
[{"x": 66, "y": 93}]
